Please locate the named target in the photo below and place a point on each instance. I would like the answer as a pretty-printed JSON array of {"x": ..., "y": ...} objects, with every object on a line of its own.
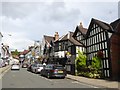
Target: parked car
[
  {"x": 36, "y": 68},
  {"x": 29, "y": 67},
  {"x": 15, "y": 67},
  {"x": 24, "y": 65},
  {"x": 53, "y": 70}
]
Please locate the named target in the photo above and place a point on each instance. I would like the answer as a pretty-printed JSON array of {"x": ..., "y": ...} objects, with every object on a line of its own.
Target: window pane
[
  {"x": 104, "y": 64},
  {"x": 99, "y": 37},
  {"x": 105, "y": 44},
  {"x": 105, "y": 72},
  {"x": 104, "y": 36},
  {"x": 98, "y": 29},
  {"x": 106, "y": 53},
  {"x": 108, "y": 73},
  {"x": 107, "y": 64}
]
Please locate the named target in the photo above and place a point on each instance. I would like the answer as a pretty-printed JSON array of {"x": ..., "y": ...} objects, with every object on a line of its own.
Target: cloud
[
  {"x": 119, "y": 9},
  {"x": 106, "y": 11},
  {"x": 29, "y": 21},
  {"x": 19, "y": 9},
  {"x": 16, "y": 40}
]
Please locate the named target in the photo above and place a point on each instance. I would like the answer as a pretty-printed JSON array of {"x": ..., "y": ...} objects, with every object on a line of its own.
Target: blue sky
[{"x": 23, "y": 22}]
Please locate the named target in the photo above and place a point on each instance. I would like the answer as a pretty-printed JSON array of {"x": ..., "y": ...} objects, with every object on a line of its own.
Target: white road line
[{"x": 75, "y": 82}]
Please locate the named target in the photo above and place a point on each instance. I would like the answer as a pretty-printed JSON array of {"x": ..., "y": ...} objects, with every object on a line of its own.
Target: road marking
[{"x": 75, "y": 82}]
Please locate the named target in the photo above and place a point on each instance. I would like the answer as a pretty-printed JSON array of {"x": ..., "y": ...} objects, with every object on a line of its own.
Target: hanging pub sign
[{"x": 68, "y": 54}]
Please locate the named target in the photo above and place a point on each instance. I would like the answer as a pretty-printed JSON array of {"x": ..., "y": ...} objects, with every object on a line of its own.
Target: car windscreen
[
  {"x": 39, "y": 65},
  {"x": 49, "y": 67},
  {"x": 15, "y": 65},
  {"x": 58, "y": 67}
]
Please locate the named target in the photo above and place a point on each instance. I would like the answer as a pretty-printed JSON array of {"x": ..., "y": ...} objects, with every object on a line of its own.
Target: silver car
[
  {"x": 36, "y": 68},
  {"x": 15, "y": 67}
]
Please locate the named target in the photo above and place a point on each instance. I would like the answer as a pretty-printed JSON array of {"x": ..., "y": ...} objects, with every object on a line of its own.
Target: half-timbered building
[
  {"x": 80, "y": 36},
  {"x": 66, "y": 51},
  {"x": 98, "y": 40},
  {"x": 48, "y": 42},
  {"x": 47, "y": 47}
]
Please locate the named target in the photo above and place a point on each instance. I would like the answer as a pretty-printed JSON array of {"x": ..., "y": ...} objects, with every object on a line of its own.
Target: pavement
[
  {"x": 3, "y": 70},
  {"x": 95, "y": 82}
]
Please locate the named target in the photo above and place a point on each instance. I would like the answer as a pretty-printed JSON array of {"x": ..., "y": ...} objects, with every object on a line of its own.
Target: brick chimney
[
  {"x": 81, "y": 26},
  {"x": 56, "y": 36},
  {"x": 68, "y": 36}
]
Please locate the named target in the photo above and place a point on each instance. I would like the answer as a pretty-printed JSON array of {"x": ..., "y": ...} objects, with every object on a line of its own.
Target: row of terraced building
[{"x": 98, "y": 37}]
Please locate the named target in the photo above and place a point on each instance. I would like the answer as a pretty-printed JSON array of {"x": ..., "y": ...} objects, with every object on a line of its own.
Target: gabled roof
[
  {"x": 102, "y": 24},
  {"x": 75, "y": 42},
  {"x": 48, "y": 38},
  {"x": 24, "y": 52},
  {"x": 65, "y": 37},
  {"x": 69, "y": 37},
  {"x": 83, "y": 30},
  {"x": 80, "y": 29}
]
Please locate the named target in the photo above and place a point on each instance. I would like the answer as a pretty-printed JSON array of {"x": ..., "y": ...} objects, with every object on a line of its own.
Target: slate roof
[
  {"x": 69, "y": 37},
  {"x": 80, "y": 29},
  {"x": 102, "y": 24},
  {"x": 24, "y": 52},
  {"x": 83, "y": 30},
  {"x": 48, "y": 38}
]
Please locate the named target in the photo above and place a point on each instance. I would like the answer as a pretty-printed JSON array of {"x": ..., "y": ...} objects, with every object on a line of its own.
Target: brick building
[{"x": 115, "y": 49}]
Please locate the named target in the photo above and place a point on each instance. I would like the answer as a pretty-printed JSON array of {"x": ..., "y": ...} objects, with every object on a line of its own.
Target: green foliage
[
  {"x": 96, "y": 62},
  {"x": 91, "y": 71},
  {"x": 81, "y": 60},
  {"x": 15, "y": 52}
]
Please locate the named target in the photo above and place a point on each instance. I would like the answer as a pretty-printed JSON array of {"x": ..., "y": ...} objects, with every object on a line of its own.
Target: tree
[
  {"x": 81, "y": 60},
  {"x": 96, "y": 62},
  {"x": 15, "y": 53}
]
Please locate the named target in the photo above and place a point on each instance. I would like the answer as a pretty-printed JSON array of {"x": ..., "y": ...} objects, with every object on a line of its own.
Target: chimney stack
[
  {"x": 56, "y": 36},
  {"x": 68, "y": 36},
  {"x": 81, "y": 26}
]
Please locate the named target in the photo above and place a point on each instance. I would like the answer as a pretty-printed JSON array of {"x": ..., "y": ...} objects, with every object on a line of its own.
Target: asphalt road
[{"x": 24, "y": 79}]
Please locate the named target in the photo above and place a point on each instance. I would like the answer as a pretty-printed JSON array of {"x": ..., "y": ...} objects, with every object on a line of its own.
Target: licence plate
[{"x": 60, "y": 71}]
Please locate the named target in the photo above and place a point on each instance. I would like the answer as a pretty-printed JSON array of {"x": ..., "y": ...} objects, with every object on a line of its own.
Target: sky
[{"x": 23, "y": 22}]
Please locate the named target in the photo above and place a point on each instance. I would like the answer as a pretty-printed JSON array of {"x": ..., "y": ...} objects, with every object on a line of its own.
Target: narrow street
[{"x": 25, "y": 79}]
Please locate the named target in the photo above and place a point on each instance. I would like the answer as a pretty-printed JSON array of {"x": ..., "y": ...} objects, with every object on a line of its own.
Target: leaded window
[
  {"x": 104, "y": 36},
  {"x": 105, "y": 44}
]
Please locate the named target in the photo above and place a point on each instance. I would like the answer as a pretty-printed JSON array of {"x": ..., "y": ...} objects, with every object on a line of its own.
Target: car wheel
[
  {"x": 63, "y": 77},
  {"x": 41, "y": 74},
  {"x": 35, "y": 71},
  {"x": 48, "y": 75}
]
